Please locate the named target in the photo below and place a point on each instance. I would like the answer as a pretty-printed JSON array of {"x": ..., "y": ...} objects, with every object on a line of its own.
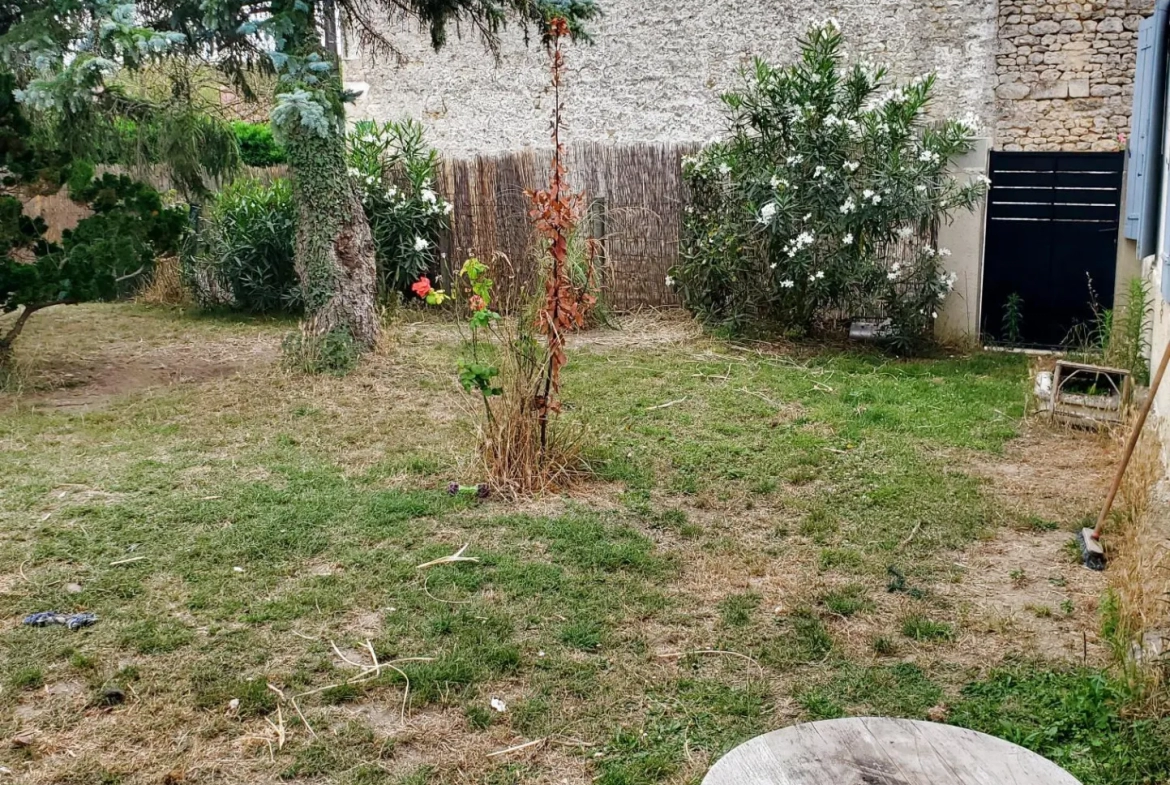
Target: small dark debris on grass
[
  {"x": 897, "y": 583},
  {"x": 479, "y": 491},
  {"x": 111, "y": 696},
  {"x": 72, "y": 621}
]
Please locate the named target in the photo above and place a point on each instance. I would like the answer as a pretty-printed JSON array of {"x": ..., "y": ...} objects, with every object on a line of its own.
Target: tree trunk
[
  {"x": 7, "y": 340},
  {"x": 335, "y": 258}
]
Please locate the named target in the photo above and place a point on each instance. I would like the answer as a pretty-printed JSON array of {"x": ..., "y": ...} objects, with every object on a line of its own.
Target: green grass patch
[
  {"x": 699, "y": 715},
  {"x": 326, "y": 503},
  {"x": 847, "y": 600},
  {"x": 736, "y": 610},
  {"x": 921, "y": 628},
  {"x": 901, "y": 690},
  {"x": 1081, "y": 719}
]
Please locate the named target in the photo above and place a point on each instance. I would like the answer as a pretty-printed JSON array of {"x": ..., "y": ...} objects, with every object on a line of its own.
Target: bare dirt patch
[
  {"x": 1026, "y": 582},
  {"x": 82, "y": 356},
  {"x": 1058, "y": 474},
  {"x": 98, "y": 379}
]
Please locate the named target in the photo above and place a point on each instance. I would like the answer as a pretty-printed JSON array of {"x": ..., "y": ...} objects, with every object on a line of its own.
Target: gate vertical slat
[{"x": 1052, "y": 224}]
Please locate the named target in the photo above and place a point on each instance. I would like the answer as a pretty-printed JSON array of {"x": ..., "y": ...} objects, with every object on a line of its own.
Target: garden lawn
[{"x": 772, "y": 537}]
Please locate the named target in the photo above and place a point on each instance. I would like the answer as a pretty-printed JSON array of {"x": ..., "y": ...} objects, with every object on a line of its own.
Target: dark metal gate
[{"x": 1052, "y": 221}]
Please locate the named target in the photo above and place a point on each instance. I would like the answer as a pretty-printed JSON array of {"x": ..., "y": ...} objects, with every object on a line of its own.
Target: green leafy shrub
[
  {"x": 258, "y": 147},
  {"x": 1116, "y": 337},
  {"x": 1013, "y": 318},
  {"x": 1129, "y": 334},
  {"x": 135, "y": 207},
  {"x": 823, "y": 200},
  {"x": 244, "y": 257},
  {"x": 105, "y": 256},
  {"x": 395, "y": 170},
  {"x": 1082, "y": 720},
  {"x": 246, "y": 250},
  {"x": 16, "y": 156},
  {"x": 334, "y": 353}
]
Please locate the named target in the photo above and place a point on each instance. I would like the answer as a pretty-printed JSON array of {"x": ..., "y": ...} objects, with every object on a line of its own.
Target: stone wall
[
  {"x": 656, "y": 69},
  {"x": 1065, "y": 73}
]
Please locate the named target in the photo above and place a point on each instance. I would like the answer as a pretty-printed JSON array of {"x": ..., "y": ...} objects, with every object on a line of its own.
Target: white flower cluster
[
  {"x": 848, "y": 206},
  {"x": 868, "y": 68},
  {"x": 818, "y": 275},
  {"x": 872, "y": 196},
  {"x": 947, "y": 280},
  {"x": 369, "y": 183},
  {"x": 787, "y": 284},
  {"x": 851, "y": 166},
  {"x": 767, "y": 213},
  {"x": 847, "y": 239},
  {"x": 799, "y": 243},
  {"x": 929, "y": 157},
  {"x": 818, "y": 172}
]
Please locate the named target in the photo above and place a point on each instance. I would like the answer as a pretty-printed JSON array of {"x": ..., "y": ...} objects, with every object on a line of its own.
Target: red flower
[
  {"x": 476, "y": 302},
  {"x": 422, "y": 287}
]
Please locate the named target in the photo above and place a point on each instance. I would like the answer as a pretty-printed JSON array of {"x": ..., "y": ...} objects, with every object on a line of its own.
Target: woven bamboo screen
[{"x": 635, "y": 194}]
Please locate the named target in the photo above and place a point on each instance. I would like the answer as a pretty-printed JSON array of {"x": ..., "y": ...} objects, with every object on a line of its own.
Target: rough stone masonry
[
  {"x": 655, "y": 70},
  {"x": 1065, "y": 73},
  {"x": 1055, "y": 76}
]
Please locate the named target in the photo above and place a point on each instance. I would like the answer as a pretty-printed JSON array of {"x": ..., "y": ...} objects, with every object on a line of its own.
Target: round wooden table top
[{"x": 882, "y": 751}]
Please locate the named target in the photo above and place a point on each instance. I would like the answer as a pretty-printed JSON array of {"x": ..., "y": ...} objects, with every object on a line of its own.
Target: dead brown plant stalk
[
  {"x": 556, "y": 212},
  {"x": 522, "y": 453},
  {"x": 1140, "y": 560}
]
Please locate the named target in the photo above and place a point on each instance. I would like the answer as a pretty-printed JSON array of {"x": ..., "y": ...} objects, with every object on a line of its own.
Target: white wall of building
[{"x": 656, "y": 69}]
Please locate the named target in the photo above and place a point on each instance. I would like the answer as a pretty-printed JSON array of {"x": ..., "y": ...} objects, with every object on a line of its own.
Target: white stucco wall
[
  {"x": 656, "y": 69},
  {"x": 1160, "y": 333},
  {"x": 958, "y": 320},
  {"x": 1159, "y": 338}
]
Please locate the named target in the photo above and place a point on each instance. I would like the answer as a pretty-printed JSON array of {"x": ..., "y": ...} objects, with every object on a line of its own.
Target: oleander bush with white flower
[
  {"x": 823, "y": 200},
  {"x": 244, "y": 254},
  {"x": 395, "y": 171}
]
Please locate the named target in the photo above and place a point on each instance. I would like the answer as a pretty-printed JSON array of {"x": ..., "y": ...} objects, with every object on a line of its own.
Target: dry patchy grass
[{"x": 791, "y": 538}]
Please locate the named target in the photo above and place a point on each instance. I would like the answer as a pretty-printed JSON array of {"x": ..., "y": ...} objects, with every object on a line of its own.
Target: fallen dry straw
[{"x": 368, "y": 673}]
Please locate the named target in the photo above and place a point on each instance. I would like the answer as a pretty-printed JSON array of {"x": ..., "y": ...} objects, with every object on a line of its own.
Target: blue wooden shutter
[
  {"x": 1143, "y": 187},
  {"x": 1137, "y": 166}
]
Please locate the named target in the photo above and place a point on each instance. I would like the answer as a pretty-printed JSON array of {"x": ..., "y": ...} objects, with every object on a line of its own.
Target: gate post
[{"x": 958, "y": 320}]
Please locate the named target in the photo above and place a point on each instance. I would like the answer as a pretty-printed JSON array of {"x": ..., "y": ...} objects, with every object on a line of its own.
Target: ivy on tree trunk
[{"x": 335, "y": 252}]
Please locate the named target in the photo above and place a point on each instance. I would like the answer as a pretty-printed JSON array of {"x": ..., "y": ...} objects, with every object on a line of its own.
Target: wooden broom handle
[{"x": 1131, "y": 442}]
